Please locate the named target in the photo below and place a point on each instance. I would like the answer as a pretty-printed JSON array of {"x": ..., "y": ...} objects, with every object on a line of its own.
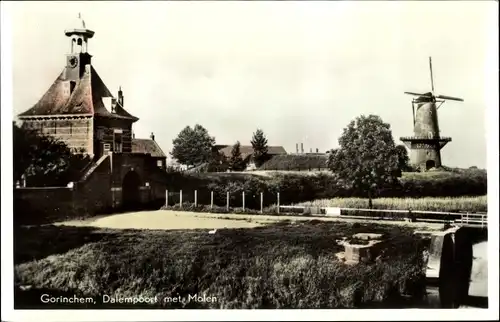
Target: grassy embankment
[
  {"x": 458, "y": 190},
  {"x": 277, "y": 266}
]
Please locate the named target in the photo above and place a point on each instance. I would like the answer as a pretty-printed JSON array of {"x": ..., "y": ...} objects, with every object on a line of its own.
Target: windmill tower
[{"x": 426, "y": 142}]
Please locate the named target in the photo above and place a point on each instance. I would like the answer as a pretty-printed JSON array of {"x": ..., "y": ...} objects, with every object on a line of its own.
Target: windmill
[{"x": 426, "y": 142}]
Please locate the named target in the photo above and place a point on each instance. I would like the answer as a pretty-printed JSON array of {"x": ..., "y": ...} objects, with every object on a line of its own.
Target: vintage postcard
[{"x": 236, "y": 160}]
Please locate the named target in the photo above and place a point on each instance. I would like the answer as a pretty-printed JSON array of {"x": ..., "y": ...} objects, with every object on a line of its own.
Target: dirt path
[{"x": 168, "y": 219}]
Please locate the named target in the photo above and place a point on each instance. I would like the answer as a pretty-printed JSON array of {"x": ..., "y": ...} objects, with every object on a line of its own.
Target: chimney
[
  {"x": 302, "y": 148},
  {"x": 152, "y": 136},
  {"x": 133, "y": 135},
  {"x": 311, "y": 150},
  {"x": 317, "y": 150},
  {"x": 297, "y": 148},
  {"x": 120, "y": 96}
]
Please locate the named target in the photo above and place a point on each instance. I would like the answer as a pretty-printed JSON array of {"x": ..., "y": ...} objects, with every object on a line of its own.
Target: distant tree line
[{"x": 194, "y": 147}]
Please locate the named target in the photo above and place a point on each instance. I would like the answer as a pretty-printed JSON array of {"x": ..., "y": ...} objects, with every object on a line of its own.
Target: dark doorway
[
  {"x": 430, "y": 164},
  {"x": 131, "y": 191}
]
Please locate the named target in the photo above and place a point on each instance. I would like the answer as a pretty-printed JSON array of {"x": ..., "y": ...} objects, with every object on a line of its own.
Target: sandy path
[{"x": 168, "y": 219}]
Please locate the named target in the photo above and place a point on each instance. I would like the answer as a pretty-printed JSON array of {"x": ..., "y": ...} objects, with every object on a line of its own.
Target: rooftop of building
[
  {"x": 147, "y": 146},
  {"x": 87, "y": 98}
]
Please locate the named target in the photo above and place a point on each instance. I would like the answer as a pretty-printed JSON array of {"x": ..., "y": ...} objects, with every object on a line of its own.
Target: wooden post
[
  {"x": 211, "y": 199},
  {"x": 166, "y": 197},
  {"x": 196, "y": 198},
  {"x": 261, "y": 202},
  {"x": 278, "y": 201},
  {"x": 180, "y": 199},
  {"x": 243, "y": 196},
  {"x": 227, "y": 200}
]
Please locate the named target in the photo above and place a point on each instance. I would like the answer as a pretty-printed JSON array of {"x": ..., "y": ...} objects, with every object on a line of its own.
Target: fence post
[
  {"x": 211, "y": 199},
  {"x": 180, "y": 199},
  {"x": 227, "y": 200},
  {"x": 166, "y": 198},
  {"x": 261, "y": 202},
  {"x": 278, "y": 201},
  {"x": 243, "y": 196},
  {"x": 196, "y": 198}
]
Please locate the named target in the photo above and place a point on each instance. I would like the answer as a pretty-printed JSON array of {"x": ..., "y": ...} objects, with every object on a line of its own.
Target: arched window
[{"x": 430, "y": 164}]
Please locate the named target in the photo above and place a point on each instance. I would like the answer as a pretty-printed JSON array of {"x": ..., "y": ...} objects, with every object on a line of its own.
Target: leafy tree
[
  {"x": 403, "y": 158},
  {"x": 44, "y": 160},
  {"x": 367, "y": 159},
  {"x": 218, "y": 161},
  {"x": 260, "y": 148},
  {"x": 193, "y": 146},
  {"x": 236, "y": 162}
]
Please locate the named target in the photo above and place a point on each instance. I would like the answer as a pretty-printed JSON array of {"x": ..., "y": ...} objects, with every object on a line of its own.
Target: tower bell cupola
[
  {"x": 78, "y": 57},
  {"x": 79, "y": 36}
]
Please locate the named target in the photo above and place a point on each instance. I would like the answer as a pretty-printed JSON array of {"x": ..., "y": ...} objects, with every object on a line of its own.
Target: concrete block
[
  {"x": 361, "y": 253},
  {"x": 332, "y": 211}
]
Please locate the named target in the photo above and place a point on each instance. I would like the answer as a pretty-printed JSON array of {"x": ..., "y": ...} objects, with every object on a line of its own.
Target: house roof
[
  {"x": 86, "y": 98},
  {"x": 247, "y": 150},
  {"x": 147, "y": 146}
]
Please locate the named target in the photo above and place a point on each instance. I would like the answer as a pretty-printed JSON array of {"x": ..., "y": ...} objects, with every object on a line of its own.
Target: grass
[
  {"x": 276, "y": 266},
  {"x": 445, "y": 204}
]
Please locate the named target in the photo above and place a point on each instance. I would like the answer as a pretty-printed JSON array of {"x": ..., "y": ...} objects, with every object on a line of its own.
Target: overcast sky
[{"x": 300, "y": 71}]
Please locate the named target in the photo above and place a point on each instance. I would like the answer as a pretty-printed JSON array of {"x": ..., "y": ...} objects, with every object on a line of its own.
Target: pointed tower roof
[
  {"x": 86, "y": 98},
  {"x": 78, "y": 94}
]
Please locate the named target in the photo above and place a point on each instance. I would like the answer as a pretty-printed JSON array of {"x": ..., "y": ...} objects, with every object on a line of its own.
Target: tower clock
[{"x": 72, "y": 61}]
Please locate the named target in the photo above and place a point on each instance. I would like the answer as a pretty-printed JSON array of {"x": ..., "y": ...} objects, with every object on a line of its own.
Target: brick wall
[
  {"x": 99, "y": 192},
  {"x": 76, "y": 132},
  {"x": 95, "y": 191},
  {"x": 42, "y": 205}
]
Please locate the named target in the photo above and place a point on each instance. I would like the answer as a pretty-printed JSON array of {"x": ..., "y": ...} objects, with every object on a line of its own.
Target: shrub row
[
  {"x": 189, "y": 206},
  {"x": 294, "y": 188},
  {"x": 272, "y": 211}
]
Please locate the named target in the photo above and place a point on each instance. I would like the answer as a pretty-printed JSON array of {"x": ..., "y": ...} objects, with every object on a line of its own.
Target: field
[
  {"x": 277, "y": 265},
  {"x": 445, "y": 204}
]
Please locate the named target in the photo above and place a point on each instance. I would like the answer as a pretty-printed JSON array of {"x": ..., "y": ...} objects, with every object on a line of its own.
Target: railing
[
  {"x": 473, "y": 220},
  {"x": 424, "y": 138},
  {"x": 462, "y": 219}
]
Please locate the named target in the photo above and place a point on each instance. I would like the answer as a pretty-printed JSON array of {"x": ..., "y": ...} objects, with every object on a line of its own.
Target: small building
[{"x": 151, "y": 147}]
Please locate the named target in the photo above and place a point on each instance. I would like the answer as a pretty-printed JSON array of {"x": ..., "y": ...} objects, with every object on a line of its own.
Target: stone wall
[{"x": 42, "y": 205}]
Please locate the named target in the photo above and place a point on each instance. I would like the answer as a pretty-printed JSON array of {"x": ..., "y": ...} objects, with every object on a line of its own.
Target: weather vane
[{"x": 83, "y": 21}]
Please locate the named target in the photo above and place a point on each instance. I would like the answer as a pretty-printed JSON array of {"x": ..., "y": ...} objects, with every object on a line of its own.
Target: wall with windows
[
  {"x": 75, "y": 131},
  {"x": 113, "y": 136}
]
